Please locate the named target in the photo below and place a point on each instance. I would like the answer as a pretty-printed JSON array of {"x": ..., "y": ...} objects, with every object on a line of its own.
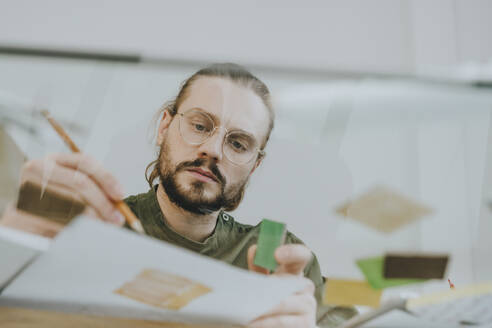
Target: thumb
[
  {"x": 292, "y": 259},
  {"x": 251, "y": 259}
]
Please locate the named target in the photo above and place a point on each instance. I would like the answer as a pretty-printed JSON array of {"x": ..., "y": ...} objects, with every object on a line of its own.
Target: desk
[{"x": 29, "y": 318}]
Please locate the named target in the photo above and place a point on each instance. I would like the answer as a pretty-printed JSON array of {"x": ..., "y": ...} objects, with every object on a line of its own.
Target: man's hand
[
  {"x": 79, "y": 177},
  {"x": 299, "y": 309}
]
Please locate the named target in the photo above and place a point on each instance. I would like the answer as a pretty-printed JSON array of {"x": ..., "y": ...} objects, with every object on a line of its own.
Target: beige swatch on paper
[
  {"x": 162, "y": 289},
  {"x": 383, "y": 209}
]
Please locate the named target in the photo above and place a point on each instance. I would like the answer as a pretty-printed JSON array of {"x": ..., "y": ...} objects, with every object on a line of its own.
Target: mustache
[{"x": 200, "y": 162}]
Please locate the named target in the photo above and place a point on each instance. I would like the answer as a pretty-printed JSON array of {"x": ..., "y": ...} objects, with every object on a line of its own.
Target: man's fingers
[
  {"x": 91, "y": 213},
  {"x": 95, "y": 197},
  {"x": 94, "y": 170},
  {"x": 251, "y": 258},
  {"x": 292, "y": 258},
  {"x": 309, "y": 287},
  {"x": 298, "y": 310},
  {"x": 34, "y": 175},
  {"x": 296, "y": 304},
  {"x": 34, "y": 172},
  {"x": 74, "y": 182}
]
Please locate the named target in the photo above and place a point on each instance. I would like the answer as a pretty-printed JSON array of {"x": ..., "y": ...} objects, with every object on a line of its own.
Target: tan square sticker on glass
[
  {"x": 162, "y": 289},
  {"x": 383, "y": 209},
  {"x": 351, "y": 292}
]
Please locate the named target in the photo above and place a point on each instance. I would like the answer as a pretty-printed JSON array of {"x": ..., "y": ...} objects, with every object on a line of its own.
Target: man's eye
[
  {"x": 199, "y": 127},
  {"x": 238, "y": 146}
]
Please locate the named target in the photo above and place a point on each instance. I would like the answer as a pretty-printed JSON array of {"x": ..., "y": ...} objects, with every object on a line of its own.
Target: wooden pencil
[{"x": 130, "y": 217}]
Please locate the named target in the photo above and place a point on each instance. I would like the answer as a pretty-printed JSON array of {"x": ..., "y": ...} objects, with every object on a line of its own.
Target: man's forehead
[{"x": 235, "y": 106}]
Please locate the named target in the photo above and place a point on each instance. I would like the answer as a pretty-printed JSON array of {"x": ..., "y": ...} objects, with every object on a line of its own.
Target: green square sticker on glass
[
  {"x": 372, "y": 268},
  {"x": 272, "y": 235}
]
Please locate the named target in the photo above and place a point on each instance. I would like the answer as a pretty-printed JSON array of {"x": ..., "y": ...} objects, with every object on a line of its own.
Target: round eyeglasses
[{"x": 196, "y": 126}]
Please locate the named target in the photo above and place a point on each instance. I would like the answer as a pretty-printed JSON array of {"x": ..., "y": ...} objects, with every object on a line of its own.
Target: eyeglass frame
[{"x": 259, "y": 151}]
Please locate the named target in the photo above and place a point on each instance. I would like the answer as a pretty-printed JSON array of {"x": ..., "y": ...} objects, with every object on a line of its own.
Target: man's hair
[{"x": 229, "y": 71}]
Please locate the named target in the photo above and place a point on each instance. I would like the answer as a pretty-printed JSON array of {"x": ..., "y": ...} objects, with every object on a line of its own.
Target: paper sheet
[
  {"x": 472, "y": 304},
  {"x": 401, "y": 319},
  {"x": 17, "y": 249},
  {"x": 90, "y": 259}
]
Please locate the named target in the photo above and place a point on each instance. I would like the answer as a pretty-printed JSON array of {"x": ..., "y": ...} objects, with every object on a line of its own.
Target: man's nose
[{"x": 212, "y": 147}]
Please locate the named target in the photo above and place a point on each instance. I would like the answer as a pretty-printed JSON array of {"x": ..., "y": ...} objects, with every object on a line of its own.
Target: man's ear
[
  {"x": 163, "y": 125},
  {"x": 258, "y": 162}
]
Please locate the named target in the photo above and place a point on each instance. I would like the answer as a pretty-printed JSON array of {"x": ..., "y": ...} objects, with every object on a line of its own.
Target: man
[{"x": 211, "y": 139}]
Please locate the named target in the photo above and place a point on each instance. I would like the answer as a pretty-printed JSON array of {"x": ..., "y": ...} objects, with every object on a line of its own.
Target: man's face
[{"x": 200, "y": 178}]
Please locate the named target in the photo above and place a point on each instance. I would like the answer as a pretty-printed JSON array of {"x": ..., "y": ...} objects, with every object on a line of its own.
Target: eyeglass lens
[{"x": 196, "y": 127}]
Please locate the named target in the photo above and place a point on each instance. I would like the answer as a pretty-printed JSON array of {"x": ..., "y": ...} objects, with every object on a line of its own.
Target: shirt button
[{"x": 225, "y": 217}]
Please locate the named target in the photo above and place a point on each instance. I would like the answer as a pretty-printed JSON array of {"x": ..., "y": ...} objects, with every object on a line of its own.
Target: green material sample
[
  {"x": 372, "y": 268},
  {"x": 272, "y": 235}
]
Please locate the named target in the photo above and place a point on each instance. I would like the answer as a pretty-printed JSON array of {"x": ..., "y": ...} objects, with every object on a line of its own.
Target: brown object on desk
[
  {"x": 24, "y": 221},
  {"x": 29, "y": 318},
  {"x": 49, "y": 204},
  {"x": 131, "y": 219}
]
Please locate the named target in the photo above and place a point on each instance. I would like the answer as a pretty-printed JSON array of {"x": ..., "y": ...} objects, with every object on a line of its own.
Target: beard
[{"x": 194, "y": 199}]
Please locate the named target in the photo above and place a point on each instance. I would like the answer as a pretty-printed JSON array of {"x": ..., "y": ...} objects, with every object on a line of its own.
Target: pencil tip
[{"x": 137, "y": 226}]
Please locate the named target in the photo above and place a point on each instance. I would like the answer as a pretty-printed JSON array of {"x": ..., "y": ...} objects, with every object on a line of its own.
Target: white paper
[
  {"x": 401, "y": 319},
  {"x": 17, "y": 249},
  {"x": 90, "y": 259},
  {"x": 476, "y": 309}
]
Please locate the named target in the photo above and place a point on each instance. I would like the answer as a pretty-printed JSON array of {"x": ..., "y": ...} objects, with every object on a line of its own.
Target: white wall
[{"x": 396, "y": 36}]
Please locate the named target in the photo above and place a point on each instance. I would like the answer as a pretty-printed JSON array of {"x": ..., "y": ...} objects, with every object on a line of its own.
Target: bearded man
[{"x": 211, "y": 138}]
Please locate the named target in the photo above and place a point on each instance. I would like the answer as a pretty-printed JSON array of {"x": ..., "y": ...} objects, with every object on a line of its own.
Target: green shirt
[{"x": 229, "y": 243}]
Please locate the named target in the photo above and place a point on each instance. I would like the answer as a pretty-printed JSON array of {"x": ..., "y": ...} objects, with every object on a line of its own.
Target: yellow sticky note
[{"x": 351, "y": 292}]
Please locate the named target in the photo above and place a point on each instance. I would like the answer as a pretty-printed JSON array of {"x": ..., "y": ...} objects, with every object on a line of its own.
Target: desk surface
[{"x": 29, "y": 318}]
